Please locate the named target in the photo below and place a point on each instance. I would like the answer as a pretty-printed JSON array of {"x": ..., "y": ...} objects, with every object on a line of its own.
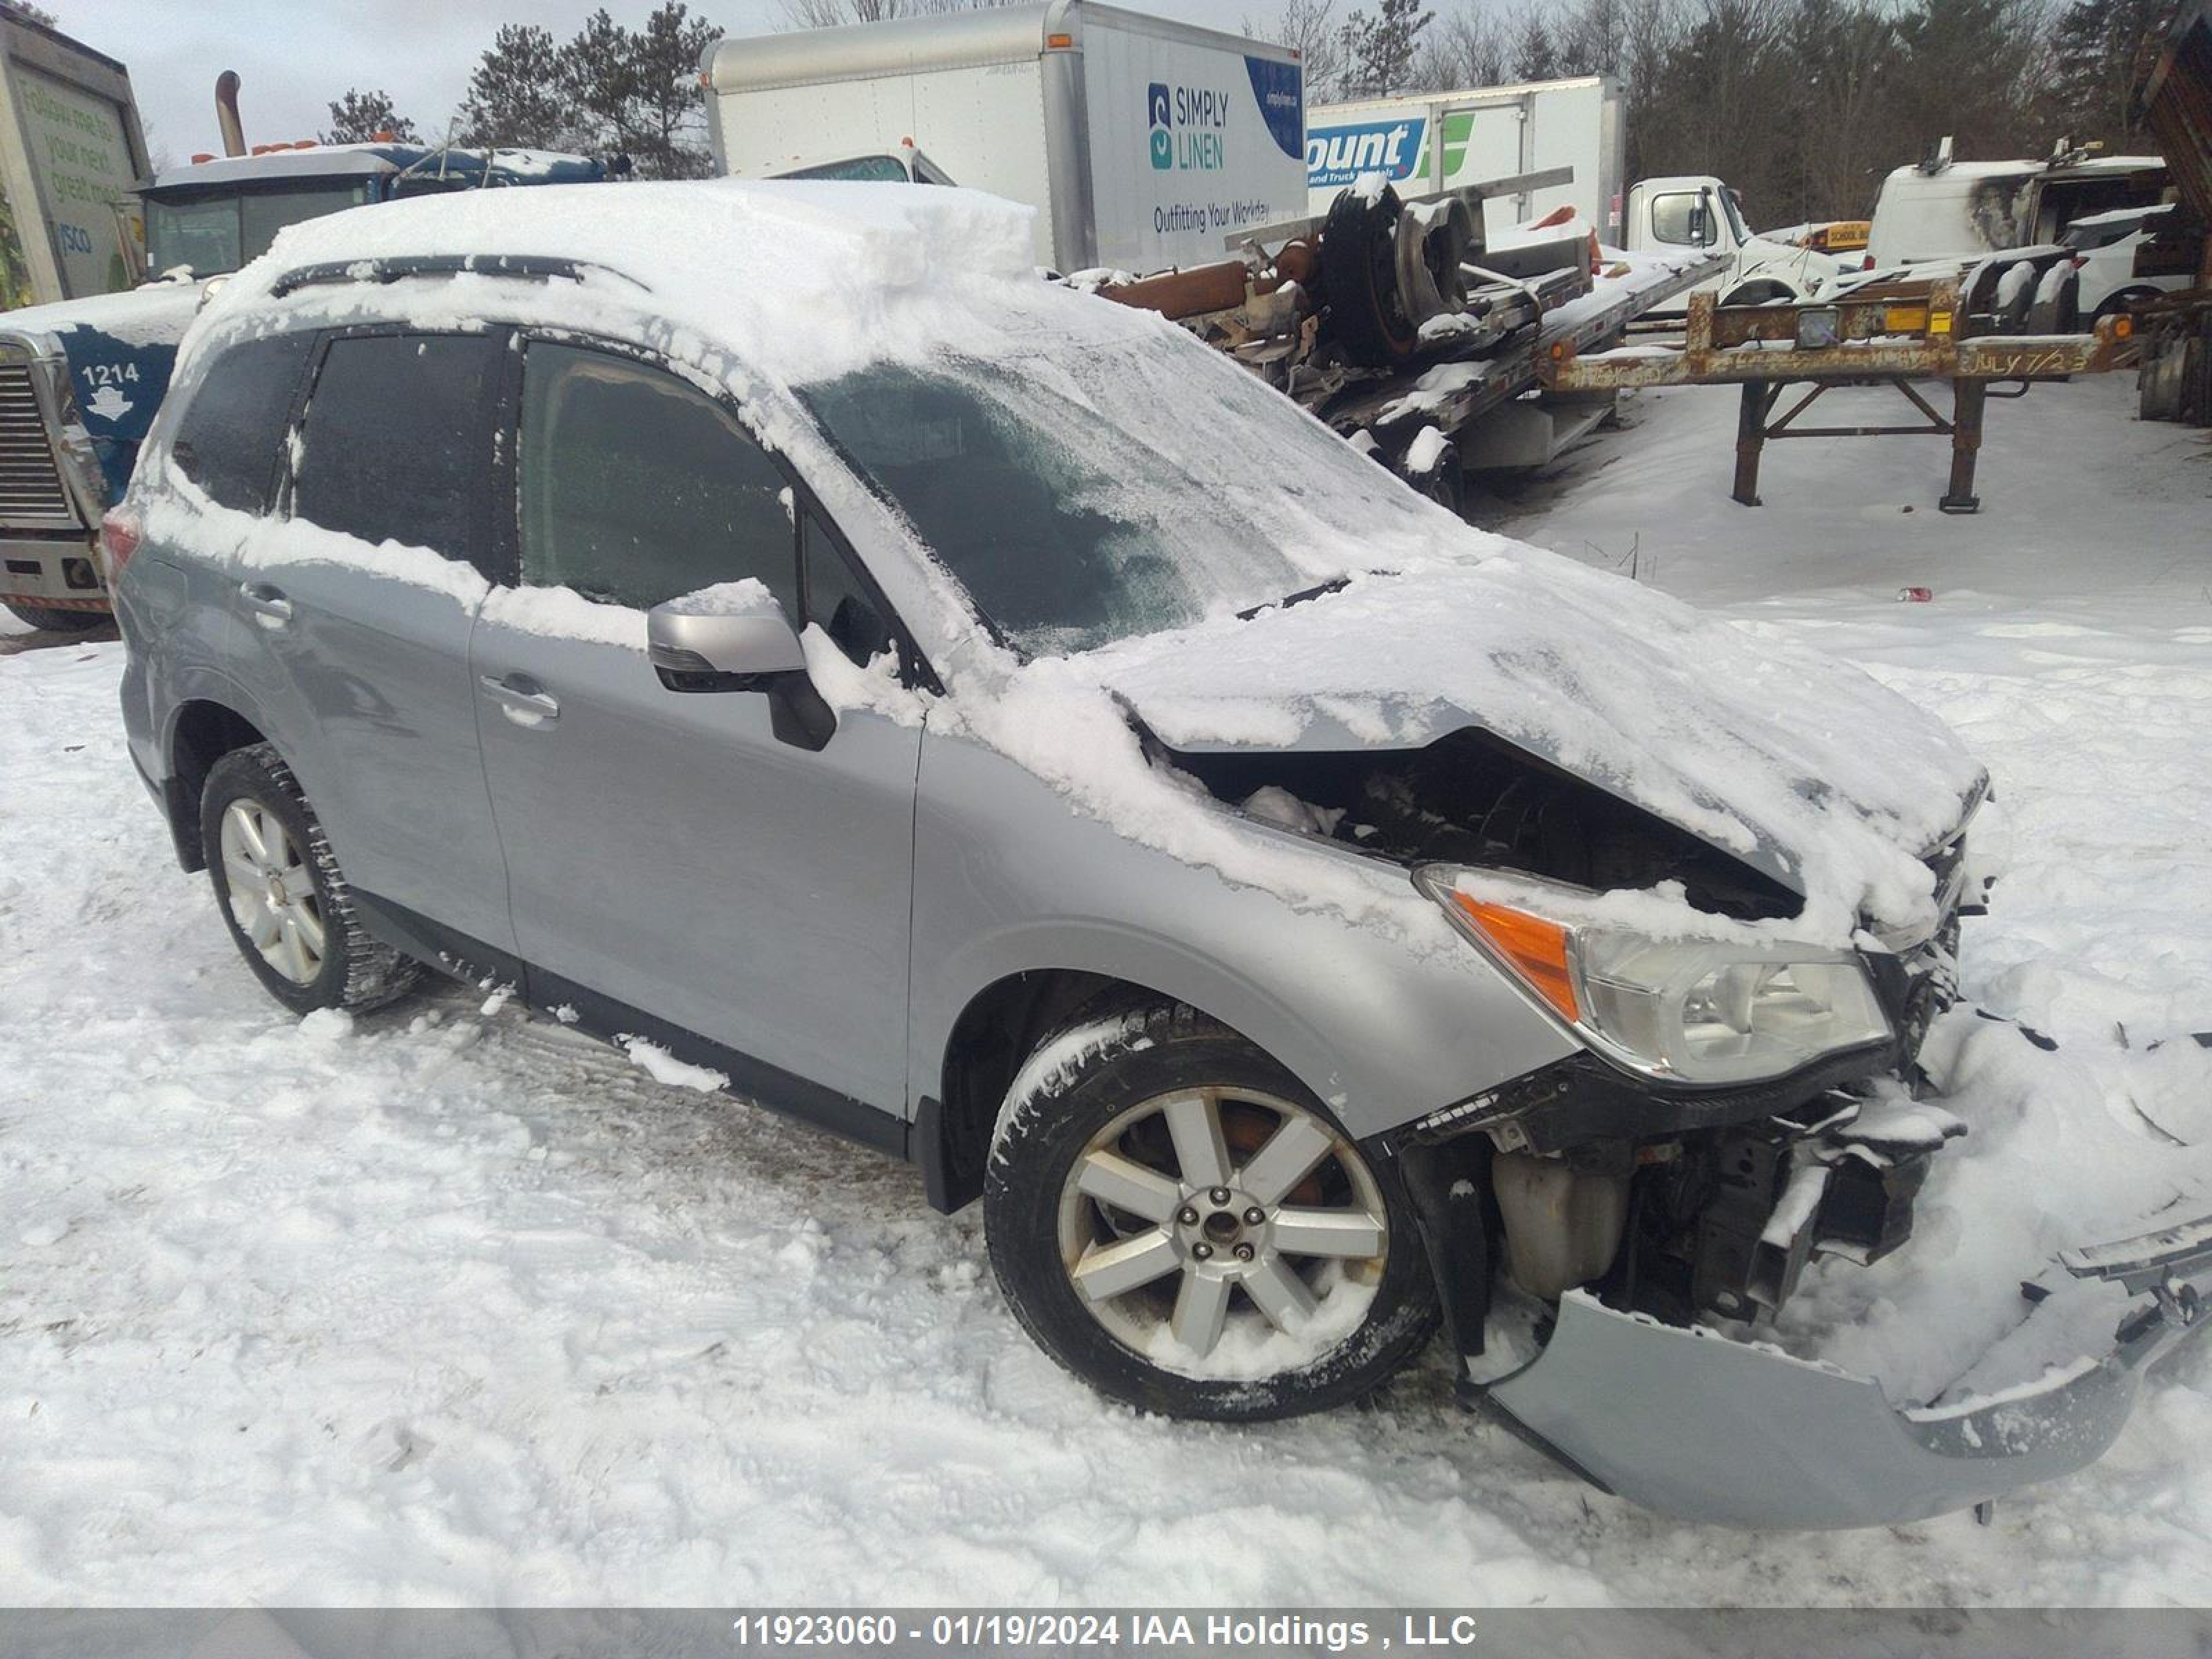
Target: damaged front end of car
[{"x": 1738, "y": 1107}]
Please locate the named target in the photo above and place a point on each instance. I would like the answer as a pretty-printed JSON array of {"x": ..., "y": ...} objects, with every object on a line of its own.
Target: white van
[
  {"x": 1144, "y": 143},
  {"x": 1941, "y": 211}
]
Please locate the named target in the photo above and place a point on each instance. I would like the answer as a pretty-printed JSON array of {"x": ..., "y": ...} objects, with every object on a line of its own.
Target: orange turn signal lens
[{"x": 1537, "y": 948}]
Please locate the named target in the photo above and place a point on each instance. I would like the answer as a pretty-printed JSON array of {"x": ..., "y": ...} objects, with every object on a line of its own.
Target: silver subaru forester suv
[{"x": 976, "y": 718}]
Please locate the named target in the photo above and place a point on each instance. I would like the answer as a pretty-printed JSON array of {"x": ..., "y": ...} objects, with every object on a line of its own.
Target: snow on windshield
[{"x": 1107, "y": 491}]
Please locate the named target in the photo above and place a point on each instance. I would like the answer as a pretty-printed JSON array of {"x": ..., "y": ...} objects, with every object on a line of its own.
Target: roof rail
[{"x": 530, "y": 266}]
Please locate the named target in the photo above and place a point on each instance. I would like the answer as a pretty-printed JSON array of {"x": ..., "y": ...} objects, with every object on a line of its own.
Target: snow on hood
[
  {"x": 1799, "y": 764},
  {"x": 154, "y": 314}
]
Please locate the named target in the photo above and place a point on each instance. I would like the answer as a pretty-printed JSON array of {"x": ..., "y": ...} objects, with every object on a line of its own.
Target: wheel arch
[
  {"x": 203, "y": 726},
  {"x": 2124, "y": 296},
  {"x": 1761, "y": 291},
  {"x": 965, "y": 1062}
]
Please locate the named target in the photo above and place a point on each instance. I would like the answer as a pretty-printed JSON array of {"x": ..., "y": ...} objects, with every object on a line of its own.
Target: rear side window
[
  {"x": 229, "y": 439},
  {"x": 397, "y": 444},
  {"x": 637, "y": 487}
]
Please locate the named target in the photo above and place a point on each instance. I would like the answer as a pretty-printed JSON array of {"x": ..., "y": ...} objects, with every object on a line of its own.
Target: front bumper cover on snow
[{"x": 1694, "y": 1423}]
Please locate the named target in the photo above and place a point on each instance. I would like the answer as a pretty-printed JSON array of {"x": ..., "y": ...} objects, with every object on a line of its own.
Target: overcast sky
[{"x": 293, "y": 57}]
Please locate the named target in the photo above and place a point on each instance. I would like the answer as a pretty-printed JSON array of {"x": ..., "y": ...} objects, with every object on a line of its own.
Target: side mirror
[
  {"x": 745, "y": 636},
  {"x": 1701, "y": 226},
  {"x": 715, "y": 641}
]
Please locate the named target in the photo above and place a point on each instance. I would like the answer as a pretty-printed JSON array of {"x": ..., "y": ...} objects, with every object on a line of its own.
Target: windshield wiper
[{"x": 1333, "y": 584}]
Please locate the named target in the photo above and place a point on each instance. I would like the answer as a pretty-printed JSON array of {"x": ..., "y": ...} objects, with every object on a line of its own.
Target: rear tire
[
  {"x": 1265, "y": 1276},
  {"x": 55, "y": 620},
  {"x": 282, "y": 894}
]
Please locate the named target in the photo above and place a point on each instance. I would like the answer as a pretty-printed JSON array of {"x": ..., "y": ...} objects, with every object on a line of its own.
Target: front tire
[
  {"x": 1177, "y": 1220},
  {"x": 282, "y": 894}
]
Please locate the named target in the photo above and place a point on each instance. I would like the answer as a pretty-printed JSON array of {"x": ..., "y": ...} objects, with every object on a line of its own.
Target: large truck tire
[{"x": 55, "y": 620}]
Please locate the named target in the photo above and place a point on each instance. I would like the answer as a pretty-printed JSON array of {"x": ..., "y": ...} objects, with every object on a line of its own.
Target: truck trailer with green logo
[{"x": 1144, "y": 143}]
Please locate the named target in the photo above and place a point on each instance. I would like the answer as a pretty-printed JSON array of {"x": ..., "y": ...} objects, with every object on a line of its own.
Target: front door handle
[
  {"x": 521, "y": 699},
  {"x": 269, "y": 605}
]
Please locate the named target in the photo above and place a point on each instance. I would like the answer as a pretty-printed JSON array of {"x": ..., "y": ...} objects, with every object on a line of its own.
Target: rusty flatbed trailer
[
  {"x": 2177, "y": 97},
  {"x": 1891, "y": 334}
]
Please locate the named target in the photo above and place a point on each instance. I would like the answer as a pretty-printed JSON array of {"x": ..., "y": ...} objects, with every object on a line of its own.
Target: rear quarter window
[{"x": 228, "y": 440}]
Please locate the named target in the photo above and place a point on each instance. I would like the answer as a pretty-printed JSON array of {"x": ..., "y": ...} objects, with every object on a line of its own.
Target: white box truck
[
  {"x": 1440, "y": 140},
  {"x": 70, "y": 150},
  {"x": 1141, "y": 142}
]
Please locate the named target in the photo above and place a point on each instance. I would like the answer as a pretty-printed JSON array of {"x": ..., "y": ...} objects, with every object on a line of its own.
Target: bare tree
[
  {"x": 1467, "y": 49},
  {"x": 830, "y": 14},
  {"x": 1310, "y": 29}
]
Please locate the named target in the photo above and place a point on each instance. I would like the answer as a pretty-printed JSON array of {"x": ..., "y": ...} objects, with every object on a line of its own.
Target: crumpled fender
[{"x": 1698, "y": 1425}]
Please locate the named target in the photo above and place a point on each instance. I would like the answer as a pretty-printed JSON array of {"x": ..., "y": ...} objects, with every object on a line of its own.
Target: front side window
[
  {"x": 1671, "y": 218},
  {"x": 836, "y": 601},
  {"x": 637, "y": 487},
  {"x": 397, "y": 442},
  {"x": 227, "y": 441}
]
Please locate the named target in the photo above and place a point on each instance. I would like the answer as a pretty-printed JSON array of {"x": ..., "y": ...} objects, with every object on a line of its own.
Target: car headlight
[{"x": 1685, "y": 1010}]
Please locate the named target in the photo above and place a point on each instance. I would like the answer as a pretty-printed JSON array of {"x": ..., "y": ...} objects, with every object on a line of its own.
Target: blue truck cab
[{"x": 81, "y": 381}]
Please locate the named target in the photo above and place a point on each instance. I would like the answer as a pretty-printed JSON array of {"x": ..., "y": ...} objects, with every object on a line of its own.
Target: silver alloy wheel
[
  {"x": 1192, "y": 1192},
  {"x": 273, "y": 892}
]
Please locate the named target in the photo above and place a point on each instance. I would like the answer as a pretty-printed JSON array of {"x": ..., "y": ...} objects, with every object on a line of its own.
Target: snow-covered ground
[{"x": 448, "y": 1304}]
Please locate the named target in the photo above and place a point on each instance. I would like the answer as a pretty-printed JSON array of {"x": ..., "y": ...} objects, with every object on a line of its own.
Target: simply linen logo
[{"x": 1187, "y": 125}]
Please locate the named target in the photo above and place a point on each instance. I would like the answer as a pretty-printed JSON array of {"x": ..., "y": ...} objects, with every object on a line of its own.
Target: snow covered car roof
[{"x": 1799, "y": 765}]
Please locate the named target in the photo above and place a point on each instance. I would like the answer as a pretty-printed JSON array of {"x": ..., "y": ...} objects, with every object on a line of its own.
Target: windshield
[
  {"x": 215, "y": 233},
  {"x": 1104, "y": 492},
  {"x": 1735, "y": 214},
  {"x": 880, "y": 169}
]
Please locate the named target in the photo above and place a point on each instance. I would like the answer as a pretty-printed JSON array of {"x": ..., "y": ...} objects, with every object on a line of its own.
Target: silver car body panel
[
  {"x": 666, "y": 850},
  {"x": 1692, "y": 1423},
  {"x": 1383, "y": 1026},
  {"x": 365, "y": 690}
]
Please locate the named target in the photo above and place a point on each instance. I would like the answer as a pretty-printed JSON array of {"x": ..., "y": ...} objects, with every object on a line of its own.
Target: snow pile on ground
[{"x": 450, "y": 1304}]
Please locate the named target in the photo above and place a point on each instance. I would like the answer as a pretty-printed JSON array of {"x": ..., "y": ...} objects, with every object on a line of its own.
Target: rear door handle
[
  {"x": 521, "y": 699},
  {"x": 269, "y": 605}
]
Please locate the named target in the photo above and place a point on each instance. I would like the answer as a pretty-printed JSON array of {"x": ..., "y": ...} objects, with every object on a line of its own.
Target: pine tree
[
  {"x": 668, "y": 114},
  {"x": 2103, "y": 50},
  {"x": 360, "y": 117},
  {"x": 515, "y": 94}
]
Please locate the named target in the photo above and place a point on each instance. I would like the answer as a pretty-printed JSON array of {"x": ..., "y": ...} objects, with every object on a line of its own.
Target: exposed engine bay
[
  {"x": 1679, "y": 1204},
  {"x": 1472, "y": 797}
]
